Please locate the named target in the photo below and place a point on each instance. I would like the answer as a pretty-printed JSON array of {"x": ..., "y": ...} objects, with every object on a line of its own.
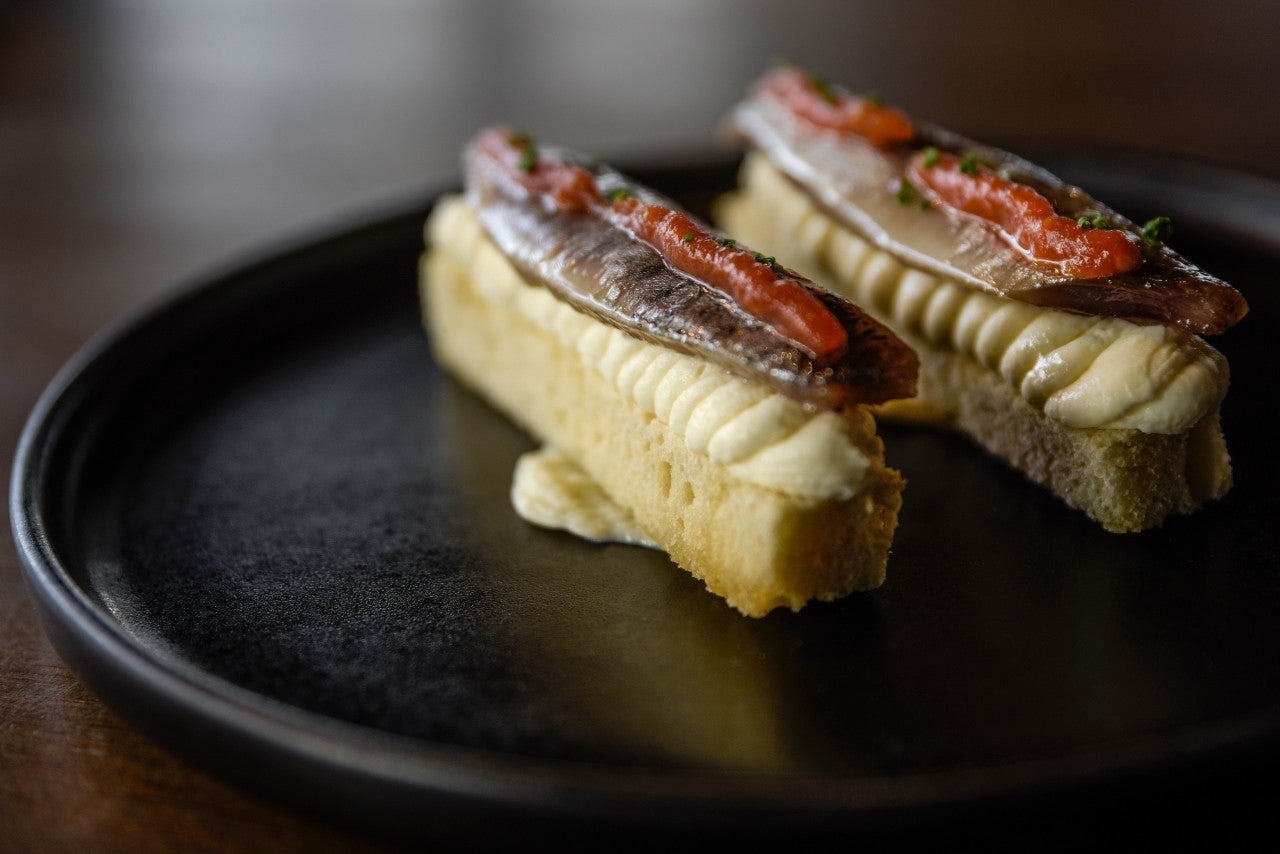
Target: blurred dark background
[{"x": 143, "y": 143}]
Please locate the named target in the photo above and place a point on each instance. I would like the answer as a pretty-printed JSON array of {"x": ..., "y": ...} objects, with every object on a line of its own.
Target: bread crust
[{"x": 1126, "y": 480}]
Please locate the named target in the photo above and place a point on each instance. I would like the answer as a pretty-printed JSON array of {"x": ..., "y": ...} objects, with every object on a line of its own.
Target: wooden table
[{"x": 142, "y": 144}]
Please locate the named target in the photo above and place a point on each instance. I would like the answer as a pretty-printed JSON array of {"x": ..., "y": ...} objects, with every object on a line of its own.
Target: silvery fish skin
[
  {"x": 604, "y": 271},
  {"x": 857, "y": 184}
]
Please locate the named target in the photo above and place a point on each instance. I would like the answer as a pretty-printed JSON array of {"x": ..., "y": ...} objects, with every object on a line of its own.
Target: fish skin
[
  {"x": 604, "y": 271},
  {"x": 855, "y": 183}
]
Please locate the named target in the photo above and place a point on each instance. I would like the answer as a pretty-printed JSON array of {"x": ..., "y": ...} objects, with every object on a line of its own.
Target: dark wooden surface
[{"x": 144, "y": 143}]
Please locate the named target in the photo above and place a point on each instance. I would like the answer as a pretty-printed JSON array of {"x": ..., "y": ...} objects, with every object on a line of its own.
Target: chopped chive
[
  {"x": 822, "y": 87},
  {"x": 906, "y": 193},
  {"x": 688, "y": 238},
  {"x": 1157, "y": 231},
  {"x": 1094, "y": 220},
  {"x": 528, "y": 159},
  {"x": 909, "y": 196},
  {"x": 931, "y": 155},
  {"x": 728, "y": 243},
  {"x": 767, "y": 260},
  {"x": 969, "y": 164},
  {"x": 619, "y": 193},
  {"x": 528, "y": 150}
]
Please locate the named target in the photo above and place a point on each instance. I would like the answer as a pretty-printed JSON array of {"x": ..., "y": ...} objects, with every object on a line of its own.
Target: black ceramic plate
[{"x": 267, "y": 530}]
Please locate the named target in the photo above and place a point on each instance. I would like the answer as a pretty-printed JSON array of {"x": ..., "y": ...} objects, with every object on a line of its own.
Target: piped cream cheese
[
  {"x": 1084, "y": 372},
  {"x": 550, "y": 490},
  {"x": 761, "y": 436}
]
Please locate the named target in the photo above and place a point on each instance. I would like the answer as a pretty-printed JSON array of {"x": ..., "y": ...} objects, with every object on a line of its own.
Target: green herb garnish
[
  {"x": 1157, "y": 231},
  {"x": 969, "y": 164},
  {"x": 931, "y": 155},
  {"x": 528, "y": 150},
  {"x": 873, "y": 98},
  {"x": 528, "y": 159},
  {"x": 688, "y": 238},
  {"x": 909, "y": 196},
  {"x": 728, "y": 243},
  {"x": 1095, "y": 220},
  {"x": 822, "y": 87},
  {"x": 767, "y": 260},
  {"x": 619, "y": 193}
]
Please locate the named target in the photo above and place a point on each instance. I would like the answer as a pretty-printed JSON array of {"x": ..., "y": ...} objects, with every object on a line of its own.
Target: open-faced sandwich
[
  {"x": 1059, "y": 335},
  {"x": 714, "y": 397}
]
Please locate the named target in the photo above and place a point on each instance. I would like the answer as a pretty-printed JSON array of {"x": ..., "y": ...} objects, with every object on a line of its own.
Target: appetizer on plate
[
  {"x": 699, "y": 395},
  {"x": 1059, "y": 335}
]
